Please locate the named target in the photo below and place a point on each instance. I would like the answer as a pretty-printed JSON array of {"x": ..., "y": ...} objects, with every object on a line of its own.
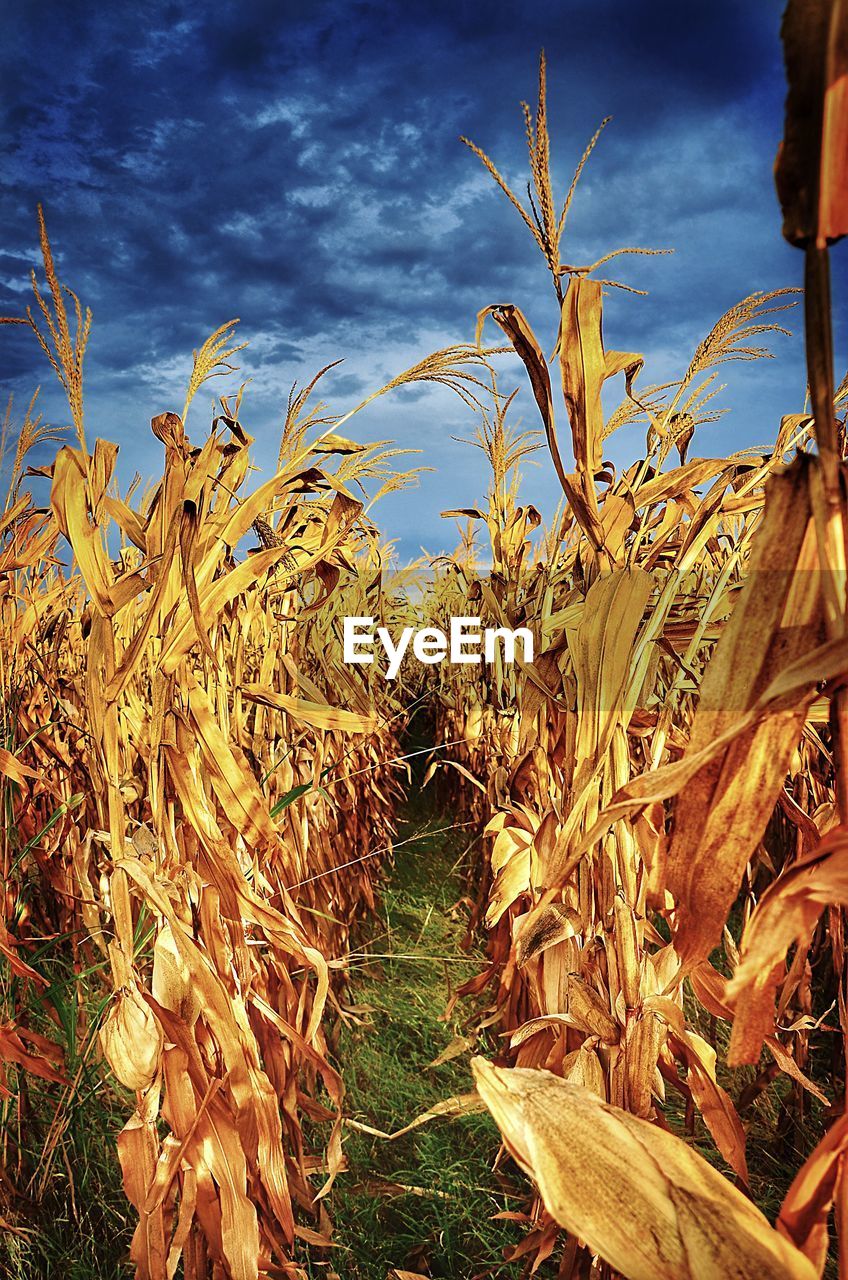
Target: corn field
[{"x": 200, "y": 798}]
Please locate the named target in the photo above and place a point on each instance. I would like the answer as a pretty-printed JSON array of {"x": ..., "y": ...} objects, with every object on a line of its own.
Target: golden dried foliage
[
  {"x": 673, "y": 757},
  {"x": 201, "y": 790}
]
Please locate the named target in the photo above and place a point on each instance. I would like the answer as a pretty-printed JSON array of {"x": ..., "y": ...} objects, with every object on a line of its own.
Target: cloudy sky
[{"x": 298, "y": 165}]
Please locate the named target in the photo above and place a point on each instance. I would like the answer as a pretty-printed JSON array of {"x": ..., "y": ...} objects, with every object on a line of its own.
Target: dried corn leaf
[
  {"x": 819, "y": 1183},
  {"x": 318, "y": 715},
  {"x": 13, "y": 768},
  {"x": 713, "y": 1102},
  {"x": 638, "y": 1196},
  {"x": 787, "y": 913},
  {"x": 722, "y": 811},
  {"x": 585, "y": 366}
]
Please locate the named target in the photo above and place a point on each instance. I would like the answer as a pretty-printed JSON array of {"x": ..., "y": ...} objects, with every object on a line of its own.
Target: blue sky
[{"x": 298, "y": 165}]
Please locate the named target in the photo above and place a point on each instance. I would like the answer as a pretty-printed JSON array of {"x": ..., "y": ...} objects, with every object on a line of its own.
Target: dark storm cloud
[{"x": 298, "y": 165}]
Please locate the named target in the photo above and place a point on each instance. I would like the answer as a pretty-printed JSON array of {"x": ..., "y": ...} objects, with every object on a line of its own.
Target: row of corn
[{"x": 664, "y": 872}]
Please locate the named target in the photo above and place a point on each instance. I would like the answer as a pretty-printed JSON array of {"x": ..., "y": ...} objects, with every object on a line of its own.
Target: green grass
[
  {"x": 71, "y": 1220},
  {"x": 444, "y": 1228}
]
